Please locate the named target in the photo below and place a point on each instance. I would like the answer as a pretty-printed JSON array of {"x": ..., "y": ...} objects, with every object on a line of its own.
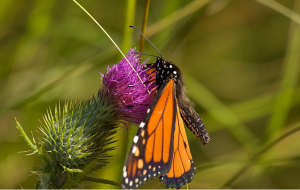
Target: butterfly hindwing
[
  {"x": 152, "y": 149},
  {"x": 182, "y": 169}
]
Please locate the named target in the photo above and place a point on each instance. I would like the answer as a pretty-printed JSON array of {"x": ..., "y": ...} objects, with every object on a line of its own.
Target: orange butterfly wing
[
  {"x": 182, "y": 169},
  {"x": 160, "y": 147}
]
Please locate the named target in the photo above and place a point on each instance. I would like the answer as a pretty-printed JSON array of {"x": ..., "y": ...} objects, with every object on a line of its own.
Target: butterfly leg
[{"x": 132, "y": 85}]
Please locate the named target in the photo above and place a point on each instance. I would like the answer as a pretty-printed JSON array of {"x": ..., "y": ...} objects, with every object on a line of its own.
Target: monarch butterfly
[{"x": 160, "y": 147}]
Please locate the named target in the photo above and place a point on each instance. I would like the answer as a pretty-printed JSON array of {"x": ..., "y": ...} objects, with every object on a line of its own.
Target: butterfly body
[
  {"x": 189, "y": 115},
  {"x": 160, "y": 147}
]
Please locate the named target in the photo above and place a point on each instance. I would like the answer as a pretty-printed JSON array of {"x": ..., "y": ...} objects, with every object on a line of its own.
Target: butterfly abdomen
[{"x": 195, "y": 124}]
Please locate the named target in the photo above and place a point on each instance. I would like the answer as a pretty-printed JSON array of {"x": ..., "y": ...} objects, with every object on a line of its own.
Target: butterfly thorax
[
  {"x": 164, "y": 70},
  {"x": 167, "y": 70}
]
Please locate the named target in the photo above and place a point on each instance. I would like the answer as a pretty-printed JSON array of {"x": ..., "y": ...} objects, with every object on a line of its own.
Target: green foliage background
[{"x": 240, "y": 61}]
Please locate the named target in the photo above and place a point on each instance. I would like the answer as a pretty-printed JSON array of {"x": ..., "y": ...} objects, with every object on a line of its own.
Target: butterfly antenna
[
  {"x": 150, "y": 55},
  {"x": 145, "y": 54},
  {"x": 146, "y": 39}
]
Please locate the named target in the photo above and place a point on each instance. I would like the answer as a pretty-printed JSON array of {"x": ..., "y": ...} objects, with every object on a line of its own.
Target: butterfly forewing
[{"x": 152, "y": 148}]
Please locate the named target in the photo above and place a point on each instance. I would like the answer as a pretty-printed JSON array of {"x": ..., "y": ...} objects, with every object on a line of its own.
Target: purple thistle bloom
[{"x": 122, "y": 84}]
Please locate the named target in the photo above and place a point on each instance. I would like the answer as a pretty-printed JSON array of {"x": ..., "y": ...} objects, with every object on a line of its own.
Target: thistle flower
[
  {"x": 121, "y": 83},
  {"x": 75, "y": 138}
]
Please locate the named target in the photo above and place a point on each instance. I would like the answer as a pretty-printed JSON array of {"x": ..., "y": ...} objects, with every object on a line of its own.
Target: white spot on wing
[
  {"x": 126, "y": 180},
  {"x": 135, "y": 139},
  {"x": 142, "y": 125},
  {"x": 124, "y": 174},
  {"x": 133, "y": 149},
  {"x": 175, "y": 72},
  {"x": 130, "y": 183},
  {"x": 170, "y": 66},
  {"x": 148, "y": 110}
]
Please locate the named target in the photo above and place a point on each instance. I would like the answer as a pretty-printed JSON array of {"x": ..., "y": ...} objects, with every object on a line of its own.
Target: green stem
[
  {"x": 129, "y": 20},
  {"x": 145, "y": 20}
]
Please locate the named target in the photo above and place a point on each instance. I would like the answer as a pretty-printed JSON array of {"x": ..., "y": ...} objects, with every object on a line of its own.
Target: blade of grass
[
  {"x": 257, "y": 155},
  {"x": 72, "y": 73},
  {"x": 252, "y": 111},
  {"x": 257, "y": 107},
  {"x": 103, "y": 181},
  {"x": 176, "y": 16},
  {"x": 281, "y": 9},
  {"x": 276, "y": 141},
  {"x": 291, "y": 68},
  {"x": 144, "y": 25},
  {"x": 163, "y": 39},
  {"x": 220, "y": 112}
]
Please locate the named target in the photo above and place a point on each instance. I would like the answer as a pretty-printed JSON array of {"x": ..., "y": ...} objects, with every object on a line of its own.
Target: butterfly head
[{"x": 164, "y": 70}]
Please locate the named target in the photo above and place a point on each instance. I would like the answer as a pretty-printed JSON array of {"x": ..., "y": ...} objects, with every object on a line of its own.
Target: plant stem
[{"x": 145, "y": 20}]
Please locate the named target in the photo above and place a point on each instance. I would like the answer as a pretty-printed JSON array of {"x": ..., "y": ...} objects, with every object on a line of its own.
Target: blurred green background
[{"x": 241, "y": 66}]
